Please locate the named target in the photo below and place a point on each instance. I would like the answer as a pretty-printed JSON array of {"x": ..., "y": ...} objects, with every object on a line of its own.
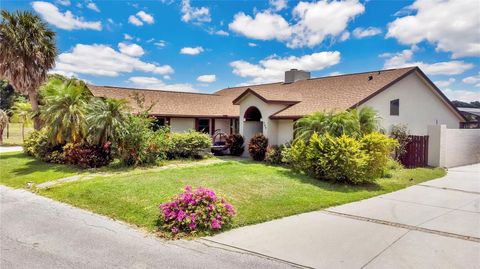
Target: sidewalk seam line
[
  {"x": 405, "y": 226},
  {"x": 447, "y": 189}
]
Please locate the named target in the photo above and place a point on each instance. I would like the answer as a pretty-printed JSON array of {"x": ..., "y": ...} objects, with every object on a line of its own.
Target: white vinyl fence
[{"x": 453, "y": 147}]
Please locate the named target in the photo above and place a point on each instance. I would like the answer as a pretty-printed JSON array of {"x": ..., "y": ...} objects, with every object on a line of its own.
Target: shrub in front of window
[
  {"x": 235, "y": 143},
  {"x": 258, "y": 147},
  {"x": 198, "y": 211},
  {"x": 191, "y": 144},
  {"x": 402, "y": 135}
]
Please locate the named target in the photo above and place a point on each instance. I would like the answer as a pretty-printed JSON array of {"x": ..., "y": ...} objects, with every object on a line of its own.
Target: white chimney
[{"x": 295, "y": 75}]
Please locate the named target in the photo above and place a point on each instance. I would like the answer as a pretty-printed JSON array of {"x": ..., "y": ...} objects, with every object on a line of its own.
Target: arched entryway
[{"x": 252, "y": 122}]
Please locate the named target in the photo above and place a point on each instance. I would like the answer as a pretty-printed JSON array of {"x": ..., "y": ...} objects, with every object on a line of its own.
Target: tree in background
[
  {"x": 7, "y": 96},
  {"x": 474, "y": 104},
  {"x": 27, "y": 52},
  {"x": 3, "y": 124},
  {"x": 23, "y": 111}
]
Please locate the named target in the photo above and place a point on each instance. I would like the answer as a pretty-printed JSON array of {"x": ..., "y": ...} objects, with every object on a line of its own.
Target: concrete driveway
[{"x": 432, "y": 225}]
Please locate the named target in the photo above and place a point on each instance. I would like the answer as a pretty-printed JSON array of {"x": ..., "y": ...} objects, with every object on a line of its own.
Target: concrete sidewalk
[
  {"x": 10, "y": 149},
  {"x": 432, "y": 225},
  {"x": 36, "y": 232}
]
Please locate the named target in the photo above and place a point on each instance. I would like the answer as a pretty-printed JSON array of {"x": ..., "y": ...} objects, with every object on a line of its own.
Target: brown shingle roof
[
  {"x": 169, "y": 103},
  {"x": 303, "y": 97},
  {"x": 326, "y": 93}
]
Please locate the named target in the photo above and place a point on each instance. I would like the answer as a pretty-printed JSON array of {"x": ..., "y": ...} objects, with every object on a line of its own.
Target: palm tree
[
  {"x": 64, "y": 113},
  {"x": 368, "y": 119},
  {"x": 27, "y": 52},
  {"x": 106, "y": 120},
  {"x": 23, "y": 111}
]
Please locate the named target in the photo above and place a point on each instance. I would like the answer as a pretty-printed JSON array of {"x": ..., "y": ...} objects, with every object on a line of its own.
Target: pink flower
[
  {"x": 174, "y": 230},
  {"x": 216, "y": 224}
]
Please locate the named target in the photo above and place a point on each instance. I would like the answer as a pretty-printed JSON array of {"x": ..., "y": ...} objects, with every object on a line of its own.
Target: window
[
  {"x": 203, "y": 125},
  {"x": 395, "y": 107},
  {"x": 158, "y": 123}
]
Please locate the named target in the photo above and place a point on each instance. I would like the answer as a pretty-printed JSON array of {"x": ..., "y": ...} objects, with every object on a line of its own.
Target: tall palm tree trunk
[{"x": 33, "y": 96}]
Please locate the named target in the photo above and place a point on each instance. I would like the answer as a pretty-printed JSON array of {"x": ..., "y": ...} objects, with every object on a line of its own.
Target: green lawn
[
  {"x": 258, "y": 192},
  {"x": 13, "y": 135},
  {"x": 16, "y": 169}
]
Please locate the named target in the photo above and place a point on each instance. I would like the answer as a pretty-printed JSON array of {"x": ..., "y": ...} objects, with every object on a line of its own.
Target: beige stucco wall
[
  {"x": 284, "y": 131},
  {"x": 269, "y": 127},
  {"x": 453, "y": 147},
  {"x": 419, "y": 106},
  {"x": 179, "y": 125},
  {"x": 223, "y": 124}
]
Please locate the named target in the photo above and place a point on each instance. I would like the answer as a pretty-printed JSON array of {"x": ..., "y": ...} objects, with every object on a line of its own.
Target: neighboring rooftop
[{"x": 303, "y": 96}]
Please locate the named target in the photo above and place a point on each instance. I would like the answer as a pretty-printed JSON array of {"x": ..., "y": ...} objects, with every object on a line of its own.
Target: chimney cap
[{"x": 293, "y": 75}]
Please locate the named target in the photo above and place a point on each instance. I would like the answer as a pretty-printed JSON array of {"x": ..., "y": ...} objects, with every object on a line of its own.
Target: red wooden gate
[{"x": 417, "y": 152}]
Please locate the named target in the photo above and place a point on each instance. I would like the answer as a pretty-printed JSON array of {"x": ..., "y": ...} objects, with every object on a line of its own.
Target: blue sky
[{"x": 205, "y": 46}]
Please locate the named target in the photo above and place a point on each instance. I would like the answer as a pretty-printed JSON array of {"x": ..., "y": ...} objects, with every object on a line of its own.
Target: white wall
[
  {"x": 419, "y": 106},
  {"x": 284, "y": 131},
  {"x": 179, "y": 125},
  {"x": 453, "y": 147},
  {"x": 223, "y": 124},
  {"x": 269, "y": 126}
]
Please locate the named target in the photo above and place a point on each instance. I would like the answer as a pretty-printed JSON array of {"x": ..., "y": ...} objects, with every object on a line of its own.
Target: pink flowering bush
[{"x": 195, "y": 211}]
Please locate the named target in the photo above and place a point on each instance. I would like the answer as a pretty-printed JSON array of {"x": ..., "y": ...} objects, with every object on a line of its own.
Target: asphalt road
[{"x": 37, "y": 232}]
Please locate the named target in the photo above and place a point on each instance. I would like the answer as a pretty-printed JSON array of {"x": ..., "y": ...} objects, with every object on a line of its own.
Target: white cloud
[
  {"x": 127, "y": 37},
  {"x": 404, "y": 59},
  {"x": 273, "y": 68},
  {"x": 444, "y": 83},
  {"x": 451, "y": 25},
  {"x": 141, "y": 17},
  {"x": 66, "y": 21},
  {"x": 345, "y": 36},
  {"x": 475, "y": 79},
  {"x": 195, "y": 14},
  {"x": 251, "y": 44},
  {"x": 93, "y": 7},
  {"x": 63, "y": 2},
  {"x": 278, "y": 4},
  {"x": 360, "y": 32},
  {"x": 462, "y": 95},
  {"x": 133, "y": 50},
  {"x": 102, "y": 60},
  {"x": 207, "y": 78},
  {"x": 157, "y": 84},
  {"x": 264, "y": 26},
  {"x": 167, "y": 77},
  {"x": 160, "y": 43},
  {"x": 134, "y": 20},
  {"x": 317, "y": 21},
  {"x": 222, "y": 33},
  {"x": 313, "y": 22},
  {"x": 191, "y": 51},
  {"x": 148, "y": 18}
]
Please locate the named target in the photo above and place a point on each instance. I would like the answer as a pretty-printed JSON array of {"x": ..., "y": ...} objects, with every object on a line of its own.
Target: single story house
[{"x": 404, "y": 95}]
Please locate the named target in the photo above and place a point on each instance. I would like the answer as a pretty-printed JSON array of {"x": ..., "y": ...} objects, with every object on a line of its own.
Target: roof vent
[
  {"x": 295, "y": 75},
  {"x": 370, "y": 78}
]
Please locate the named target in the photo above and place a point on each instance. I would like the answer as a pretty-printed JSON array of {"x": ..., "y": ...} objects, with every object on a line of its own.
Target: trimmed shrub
[
  {"x": 195, "y": 211},
  {"x": 295, "y": 156},
  {"x": 189, "y": 145},
  {"x": 339, "y": 159},
  {"x": 274, "y": 154},
  {"x": 258, "y": 147},
  {"x": 378, "y": 147},
  {"x": 235, "y": 143},
  {"x": 30, "y": 144},
  {"x": 86, "y": 155}
]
